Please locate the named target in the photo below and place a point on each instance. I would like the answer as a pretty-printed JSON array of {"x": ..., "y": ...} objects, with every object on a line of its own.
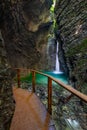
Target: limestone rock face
[
  {"x": 71, "y": 17},
  {"x": 25, "y": 26},
  {"x": 6, "y": 97}
]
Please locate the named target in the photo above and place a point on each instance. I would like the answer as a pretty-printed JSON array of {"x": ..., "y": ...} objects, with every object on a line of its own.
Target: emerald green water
[
  {"x": 40, "y": 79},
  {"x": 60, "y": 76}
]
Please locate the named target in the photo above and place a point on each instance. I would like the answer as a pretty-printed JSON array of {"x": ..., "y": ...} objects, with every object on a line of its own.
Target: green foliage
[
  {"x": 54, "y": 26},
  {"x": 53, "y": 6},
  {"x": 52, "y": 9}
]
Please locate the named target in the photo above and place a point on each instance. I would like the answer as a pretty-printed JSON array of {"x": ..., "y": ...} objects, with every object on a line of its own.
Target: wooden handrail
[{"x": 50, "y": 78}]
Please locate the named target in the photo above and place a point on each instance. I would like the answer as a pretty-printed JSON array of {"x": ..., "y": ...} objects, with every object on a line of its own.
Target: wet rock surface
[
  {"x": 25, "y": 27},
  {"x": 6, "y": 98},
  {"x": 72, "y": 28},
  {"x": 72, "y": 109}
]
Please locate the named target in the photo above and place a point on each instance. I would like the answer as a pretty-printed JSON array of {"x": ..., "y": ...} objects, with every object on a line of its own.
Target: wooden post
[
  {"x": 18, "y": 77},
  {"x": 33, "y": 81},
  {"x": 49, "y": 95}
]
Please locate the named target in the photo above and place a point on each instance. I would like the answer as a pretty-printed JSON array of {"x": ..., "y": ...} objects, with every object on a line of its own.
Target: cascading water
[
  {"x": 52, "y": 52},
  {"x": 57, "y": 67}
]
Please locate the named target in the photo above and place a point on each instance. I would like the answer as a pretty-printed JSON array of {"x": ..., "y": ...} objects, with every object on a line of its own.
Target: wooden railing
[{"x": 50, "y": 79}]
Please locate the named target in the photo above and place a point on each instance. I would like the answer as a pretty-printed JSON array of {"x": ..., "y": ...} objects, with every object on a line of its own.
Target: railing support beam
[
  {"x": 49, "y": 95},
  {"x": 18, "y": 78},
  {"x": 33, "y": 81}
]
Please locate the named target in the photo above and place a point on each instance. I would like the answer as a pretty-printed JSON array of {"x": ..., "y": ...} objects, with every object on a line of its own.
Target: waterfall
[
  {"x": 57, "y": 60},
  {"x": 57, "y": 68}
]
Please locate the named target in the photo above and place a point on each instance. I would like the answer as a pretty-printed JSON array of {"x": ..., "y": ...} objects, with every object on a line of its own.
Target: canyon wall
[
  {"x": 25, "y": 27},
  {"x": 71, "y": 18},
  {"x": 6, "y": 97}
]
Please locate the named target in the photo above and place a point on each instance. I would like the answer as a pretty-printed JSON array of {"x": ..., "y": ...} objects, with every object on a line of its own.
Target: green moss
[
  {"x": 52, "y": 9},
  {"x": 83, "y": 46},
  {"x": 82, "y": 62},
  {"x": 84, "y": 90},
  {"x": 78, "y": 49},
  {"x": 53, "y": 6}
]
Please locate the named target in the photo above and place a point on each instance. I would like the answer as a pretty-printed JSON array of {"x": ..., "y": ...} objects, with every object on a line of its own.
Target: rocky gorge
[{"x": 24, "y": 31}]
